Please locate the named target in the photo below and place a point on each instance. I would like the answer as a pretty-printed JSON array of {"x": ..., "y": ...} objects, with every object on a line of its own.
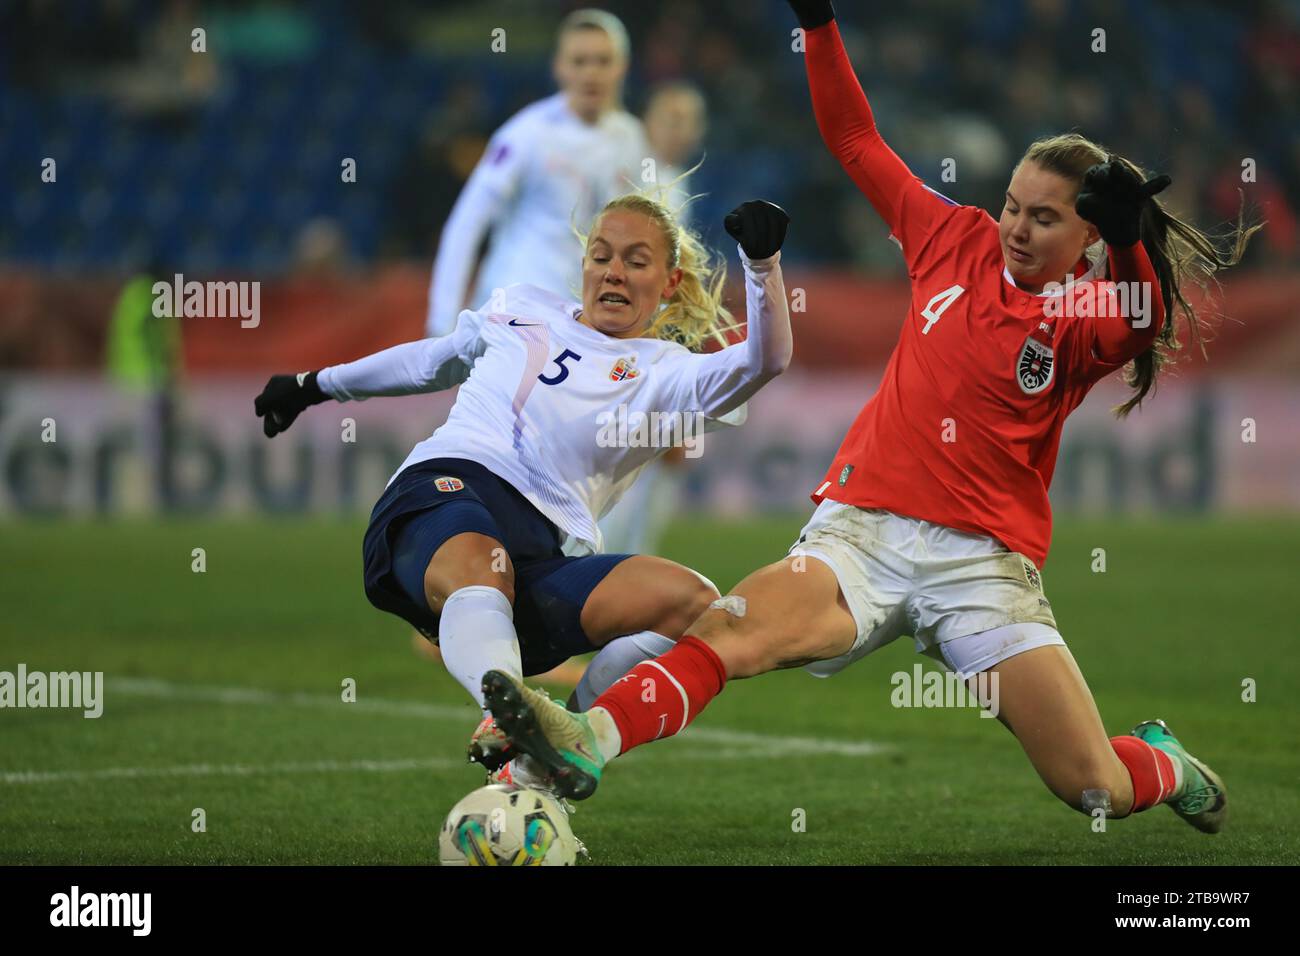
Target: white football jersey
[
  {"x": 543, "y": 172},
  {"x": 564, "y": 413}
]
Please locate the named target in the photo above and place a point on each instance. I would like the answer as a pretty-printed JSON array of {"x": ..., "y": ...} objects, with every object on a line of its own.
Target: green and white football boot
[
  {"x": 561, "y": 741},
  {"x": 1203, "y": 800}
]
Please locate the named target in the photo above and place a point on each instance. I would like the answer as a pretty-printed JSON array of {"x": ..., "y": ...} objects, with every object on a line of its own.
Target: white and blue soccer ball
[{"x": 503, "y": 825}]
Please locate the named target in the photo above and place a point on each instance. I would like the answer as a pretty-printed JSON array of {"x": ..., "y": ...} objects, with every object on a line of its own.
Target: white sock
[
  {"x": 608, "y": 739},
  {"x": 476, "y": 634},
  {"x": 614, "y": 660}
]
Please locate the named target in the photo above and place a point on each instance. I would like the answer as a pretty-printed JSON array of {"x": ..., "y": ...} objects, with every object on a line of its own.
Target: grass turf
[{"x": 1185, "y": 611}]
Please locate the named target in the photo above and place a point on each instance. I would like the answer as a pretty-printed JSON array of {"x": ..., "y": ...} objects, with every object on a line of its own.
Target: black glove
[
  {"x": 1112, "y": 199},
  {"x": 812, "y": 13},
  {"x": 284, "y": 397},
  {"x": 759, "y": 227}
]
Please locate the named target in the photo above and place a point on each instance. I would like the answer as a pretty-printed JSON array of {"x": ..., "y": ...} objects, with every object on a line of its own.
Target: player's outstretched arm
[
  {"x": 1113, "y": 198},
  {"x": 427, "y": 365},
  {"x": 844, "y": 116},
  {"x": 726, "y": 379}
]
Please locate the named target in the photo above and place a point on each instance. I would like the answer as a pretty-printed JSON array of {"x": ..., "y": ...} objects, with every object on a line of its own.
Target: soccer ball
[{"x": 501, "y": 825}]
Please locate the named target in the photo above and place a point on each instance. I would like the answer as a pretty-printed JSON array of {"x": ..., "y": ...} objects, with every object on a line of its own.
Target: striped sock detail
[
  {"x": 643, "y": 710},
  {"x": 1150, "y": 769},
  {"x": 686, "y": 703}
]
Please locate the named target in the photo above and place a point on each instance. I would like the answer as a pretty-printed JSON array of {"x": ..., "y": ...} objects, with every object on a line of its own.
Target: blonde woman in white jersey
[
  {"x": 675, "y": 118},
  {"x": 487, "y": 535},
  {"x": 554, "y": 163}
]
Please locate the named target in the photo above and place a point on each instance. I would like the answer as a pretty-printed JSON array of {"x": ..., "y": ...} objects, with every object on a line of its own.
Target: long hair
[
  {"x": 1179, "y": 252},
  {"x": 695, "y": 313}
]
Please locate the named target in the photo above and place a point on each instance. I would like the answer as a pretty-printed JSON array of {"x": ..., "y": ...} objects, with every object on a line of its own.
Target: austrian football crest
[
  {"x": 446, "y": 483},
  {"x": 1034, "y": 366},
  {"x": 623, "y": 370}
]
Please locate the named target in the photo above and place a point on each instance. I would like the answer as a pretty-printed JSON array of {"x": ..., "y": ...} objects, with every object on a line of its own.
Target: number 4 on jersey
[{"x": 937, "y": 306}]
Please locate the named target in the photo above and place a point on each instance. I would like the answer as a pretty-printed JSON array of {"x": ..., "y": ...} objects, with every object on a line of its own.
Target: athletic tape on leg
[{"x": 733, "y": 604}]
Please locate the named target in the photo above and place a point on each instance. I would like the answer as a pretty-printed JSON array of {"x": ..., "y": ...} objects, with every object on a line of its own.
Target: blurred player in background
[
  {"x": 934, "y": 519},
  {"x": 552, "y": 164},
  {"x": 675, "y": 121}
]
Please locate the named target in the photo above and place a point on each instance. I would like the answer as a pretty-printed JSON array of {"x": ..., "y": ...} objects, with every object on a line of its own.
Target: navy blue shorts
[{"x": 434, "y": 500}]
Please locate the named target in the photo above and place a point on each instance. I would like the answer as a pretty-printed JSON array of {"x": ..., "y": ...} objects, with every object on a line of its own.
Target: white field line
[
  {"x": 228, "y": 770},
  {"x": 199, "y": 693},
  {"x": 737, "y": 745},
  {"x": 779, "y": 746},
  {"x": 773, "y": 744}
]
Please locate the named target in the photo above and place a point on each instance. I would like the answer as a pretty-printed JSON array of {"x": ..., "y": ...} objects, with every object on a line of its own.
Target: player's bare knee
[
  {"x": 443, "y": 578},
  {"x": 673, "y": 610},
  {"x": 698, "y": 595}
]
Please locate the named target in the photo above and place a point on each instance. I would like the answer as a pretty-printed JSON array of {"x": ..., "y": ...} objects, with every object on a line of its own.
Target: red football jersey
[{"x": 965, "y": 426}]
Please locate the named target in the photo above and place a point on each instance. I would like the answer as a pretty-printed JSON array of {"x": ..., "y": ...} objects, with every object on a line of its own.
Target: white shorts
[{"x": 964, "y": 598}]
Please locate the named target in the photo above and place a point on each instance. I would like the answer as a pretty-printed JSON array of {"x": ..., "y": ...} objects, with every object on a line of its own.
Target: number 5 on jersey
[
  {"x": 936, "y": 307},
  {"x": 563, "y": 373}
]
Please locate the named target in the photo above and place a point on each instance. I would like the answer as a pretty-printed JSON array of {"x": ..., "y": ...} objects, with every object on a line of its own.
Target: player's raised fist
[
  {"x": 812, "y": 13},
  {"x": 1112, "y": 199},
  {"x": 284, "y": 398},
  {"x": 759, "y": 226}
]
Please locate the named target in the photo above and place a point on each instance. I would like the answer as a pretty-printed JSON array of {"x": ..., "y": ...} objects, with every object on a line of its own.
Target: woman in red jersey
[{"x": 933, "y": 519}]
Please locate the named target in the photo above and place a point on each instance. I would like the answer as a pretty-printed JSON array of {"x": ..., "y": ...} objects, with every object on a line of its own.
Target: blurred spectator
[
  {"x": 450, "y": 141},
  {"x": 321, "y": 250},
  {"x": 169, "y": 80},
  {"x": 675, "y": 119}
]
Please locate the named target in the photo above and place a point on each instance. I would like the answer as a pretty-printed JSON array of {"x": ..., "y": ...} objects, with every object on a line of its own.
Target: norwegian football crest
[
  {"x": 446, "y": 483},
  {"x": 1034, "y": 366},
  {"x": 623, "y": 370}
]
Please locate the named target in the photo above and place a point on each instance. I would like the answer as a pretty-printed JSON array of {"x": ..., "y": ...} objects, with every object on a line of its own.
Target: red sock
[
  {"x": 659, "y": 697},
  {"x": 1150, "y": 769}
]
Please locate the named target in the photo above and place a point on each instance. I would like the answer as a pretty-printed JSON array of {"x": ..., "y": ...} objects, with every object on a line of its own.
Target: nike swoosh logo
[{"x": 523, "y": 325}]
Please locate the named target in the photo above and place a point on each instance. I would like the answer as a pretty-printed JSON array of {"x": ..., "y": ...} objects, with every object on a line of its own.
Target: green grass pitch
[{"x": 223, "y": 692}]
